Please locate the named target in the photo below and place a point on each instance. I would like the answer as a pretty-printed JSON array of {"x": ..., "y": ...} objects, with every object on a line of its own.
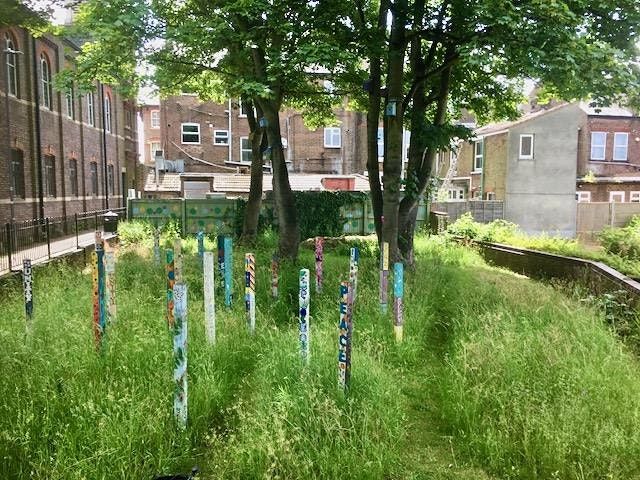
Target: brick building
[
  {"x": 214, "y": 137},
  {"x": 63, "y": 152}
]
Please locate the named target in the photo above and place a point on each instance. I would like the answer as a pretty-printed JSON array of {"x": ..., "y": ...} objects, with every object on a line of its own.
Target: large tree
[
  {"x": 446, "y": 56},
  {"x": 263, "y": 51}
]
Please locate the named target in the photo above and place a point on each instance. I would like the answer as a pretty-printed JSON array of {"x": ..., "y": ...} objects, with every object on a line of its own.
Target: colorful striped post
[
  {"x": 27, "y": 285},
  {"x": 209, "y": 297},
  {"x": 398, "y": 293},
  {"x": 97, "y": 332},
  {"x": 171, "y": 280},
  {"x": 384, "y": 276},
  {"x": 156, "y": 246},
  {"x": 180, "y": 354},
  {"x": 99, "y": 306},
  {"x": 275, "y": 266},
  {"x": 177, "y": 259},
  {"x": 304, "y": 300},
  {"x": 110, "y": 283},
  {"x": 354, "y": 259},
  {"x": 319, "y": 260},
  {"x": 200, "y": 238},
  {"x": 344, "y": 341},
  {"x": 250, "y": 290},
  {"x": 228, "y": 270},
  {"x": 221, "y": 260}
]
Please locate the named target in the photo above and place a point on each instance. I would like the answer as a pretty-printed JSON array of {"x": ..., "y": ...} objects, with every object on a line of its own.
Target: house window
[
  {"x": 598, "y": 145},
  {"x": 478, "y": 155},
  {"x": 244, "y": 109},
  {"x": 332, "y": 137},
  {"x": 45, "y": 79},
  {"x": 128, "y": 118},
  {"x": 380, "y": 142},
  {"x": 91, "y": 119},
  {"x": 526, "y": 147},
  {"x": 70, "y": 104},
  {"x": 155, "y": 118},
  {"x": 245, "y": 150},
  {"x": 49, "y": 176},
  {"x": 73, "y": 177},
  {"x": 490, "y": 195},
  {"x": 221, "y": 137},
  {"x": 583, "y": 197},
  {"x": 156, "y": 150},
  {"x": 110, "y": 179},
  {"x": 620, "y": 146},
  {"x": 456, "y": 194},
  {"x": 107, "y": 114},
  {"x": 17, "y": 167},
  {"x": 93, "y": 179},
  {"x": 12, "y": 66},
  {"x": 191, "y": 133},
  {"x": 634, "y": 197},
  {"x": 617, "y": 197}
]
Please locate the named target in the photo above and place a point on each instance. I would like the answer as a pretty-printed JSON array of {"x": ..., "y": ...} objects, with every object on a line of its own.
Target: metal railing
[{"x": 41, "y": 238}]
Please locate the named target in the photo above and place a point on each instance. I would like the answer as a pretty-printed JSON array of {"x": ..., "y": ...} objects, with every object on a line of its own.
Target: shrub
[{"x": 623, "y": 241}]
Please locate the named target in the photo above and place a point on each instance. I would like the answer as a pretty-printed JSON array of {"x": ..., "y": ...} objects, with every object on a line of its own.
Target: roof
[
  {"x": 168, "y": 182},
  {"x": 503, "y": 127},
  {"x": 613, "y": 111}
]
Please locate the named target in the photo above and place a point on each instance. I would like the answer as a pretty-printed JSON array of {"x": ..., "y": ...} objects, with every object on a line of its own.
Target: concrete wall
[{"x": 540, "y": 193}]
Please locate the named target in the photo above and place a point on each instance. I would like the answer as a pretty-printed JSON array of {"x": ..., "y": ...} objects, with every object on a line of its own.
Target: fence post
[
  {"x": 9, "y": 252},
  {"x": 46, "y": 223},
  {"x": 77, "y": 238}
]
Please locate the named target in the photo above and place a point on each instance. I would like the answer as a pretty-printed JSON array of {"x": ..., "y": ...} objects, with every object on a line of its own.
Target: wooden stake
[
  {"x": 304, "y": 300},
  {"x": 384, "y": 276},
  {"x": 171, "y": 280},
  {"x": 250, "y": 290},
  {"x": 398, "y": 293},
  {"x": 354, "y": 259},
  {"x": 344, "y": 341},
  {"x": 209, "y": 297},
  {"x": 180, "y": 399},
  {"x": 27, "y": 284},
  {"x": 275, "y": 266},
  {"x": 319, "y": 261},
  {"x": 228, "y": 270}
]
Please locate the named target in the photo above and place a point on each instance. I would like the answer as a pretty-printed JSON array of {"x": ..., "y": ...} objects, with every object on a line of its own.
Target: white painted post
[{"x": 209, "y": 298}]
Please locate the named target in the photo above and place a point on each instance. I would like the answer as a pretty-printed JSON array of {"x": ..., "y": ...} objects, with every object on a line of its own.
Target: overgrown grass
[{"x": 498, "y": 375}]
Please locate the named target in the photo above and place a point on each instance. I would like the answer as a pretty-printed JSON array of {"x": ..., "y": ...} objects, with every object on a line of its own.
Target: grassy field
[{"x": 498, "y": 377}]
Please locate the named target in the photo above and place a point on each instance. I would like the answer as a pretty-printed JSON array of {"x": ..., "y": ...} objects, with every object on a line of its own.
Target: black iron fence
[{"x": 41, "y": 238}]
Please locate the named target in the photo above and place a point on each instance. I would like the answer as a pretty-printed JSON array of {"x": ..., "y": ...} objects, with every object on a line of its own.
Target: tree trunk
[
  {"x": 289, "y": 231},
  {"x": 254, "y": 203},
  {"x": 392, "y": 167}
]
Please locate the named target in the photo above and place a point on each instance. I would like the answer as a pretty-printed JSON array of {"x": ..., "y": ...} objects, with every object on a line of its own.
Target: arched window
[
  {"x": 45, "y": 77},
  {"x": 107, "y": 113},
  {"x": 12, "y": 65}
]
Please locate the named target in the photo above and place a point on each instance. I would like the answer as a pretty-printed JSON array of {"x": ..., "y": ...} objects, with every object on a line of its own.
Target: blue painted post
[
  {"x": 171, "y": 280},
  {"x": 398, "y": 293},
  {"x": 228, "y": 270},
  {"x": 102, "y": 300},
  {"x": 344, "y": 340},
  {"x": 221, "y": 260},
  {"x": 27, "y": 283},
  {"x": 180, "y": 398},
  {"x": 304, "y": 300},
  {"x": 354, "y": 259}
]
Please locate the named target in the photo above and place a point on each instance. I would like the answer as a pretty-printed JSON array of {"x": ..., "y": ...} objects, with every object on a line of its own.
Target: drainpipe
[
  {"x": 12, "y": 193},
  {"x": 36, "y": 98},
  {"x": 104, "y": 148},
  {"x": 484, "y": 155},
  {"x": 230, "y": 136}
]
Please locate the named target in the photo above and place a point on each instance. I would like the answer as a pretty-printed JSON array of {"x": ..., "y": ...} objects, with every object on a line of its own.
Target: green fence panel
[
  {"x": 156, "y": 211},
  {"x": 209, "y": 215}
]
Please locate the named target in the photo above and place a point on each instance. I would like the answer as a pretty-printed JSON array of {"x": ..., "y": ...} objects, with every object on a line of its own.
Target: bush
[
  {"x": 623, "y": 241},
  {"x": 134, "y": 231}
]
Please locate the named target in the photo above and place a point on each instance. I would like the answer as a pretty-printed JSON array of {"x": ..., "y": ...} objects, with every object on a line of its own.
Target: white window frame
[
  {"x": 634, "y": 197},
  {"x": 91, "y": 118},
  {"x": 182, "y": 133},
  {"x": 331, "y": 134},
  {"x": 45, "y": 82},
  {"x": 603, "y": 146},
  {"x": 12, "y": 66},
  {"x": 528, "y": 156},
  {"x": 107, "y": 113},
  {"x": 456, "y": 195},
  {"x": 221, "y": 135},
  {"x": 616, "y": 136},
  {"x": 583, "y": 197},
  {"x": 153, "y": 149},
  {"x": 490, "y": 195},
  {"x": 476, "y": 155},
  {"x": 155, "y": 119},
  {"x": 613, "y": 194},
  {"x": 380, "y": 142},
  {"x": 243, "y": 150}
]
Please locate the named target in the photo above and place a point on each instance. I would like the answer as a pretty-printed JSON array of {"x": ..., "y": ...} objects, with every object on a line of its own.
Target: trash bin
[{"x": 110, "y": 222}]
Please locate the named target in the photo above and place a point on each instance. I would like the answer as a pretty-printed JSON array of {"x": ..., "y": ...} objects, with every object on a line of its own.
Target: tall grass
[{"x": 498, "y": 375}]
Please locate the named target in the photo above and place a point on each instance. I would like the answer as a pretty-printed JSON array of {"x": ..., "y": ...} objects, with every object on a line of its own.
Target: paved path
[{"x": 40, "y": 254}]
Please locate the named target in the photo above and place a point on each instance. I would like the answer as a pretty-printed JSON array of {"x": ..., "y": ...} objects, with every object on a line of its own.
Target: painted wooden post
[
  {"x": 27, "y": 284},
  {"x": 200, "y": 238},
  {"x": 177, "y": 259},
  {"x": 156, "y": 246},
  {"x": 398, "y": 293},
  {"x": 228, "y": 270},
  {"x": 275, "y": 266},
  {"x": 221, "y": 260},
  {"x": 180, "y": 399},
  {"x": 344, "y": 340},
  {"x": 97, "y": 332},
  {"x": 319, "y": 261},
  {"x": 97, "y": 261},
  {"x": 102, "y": 285},
  {"x": 354, "y": 260},
  {"x": 304, "y": 300},
  {"x": 384, "y": 276},
  {"x": 110, "y": 283},
  {"x": 209, "y": 297},
  {"x": 171, "y": 280},
  {"x": 250, "y": 290}
]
